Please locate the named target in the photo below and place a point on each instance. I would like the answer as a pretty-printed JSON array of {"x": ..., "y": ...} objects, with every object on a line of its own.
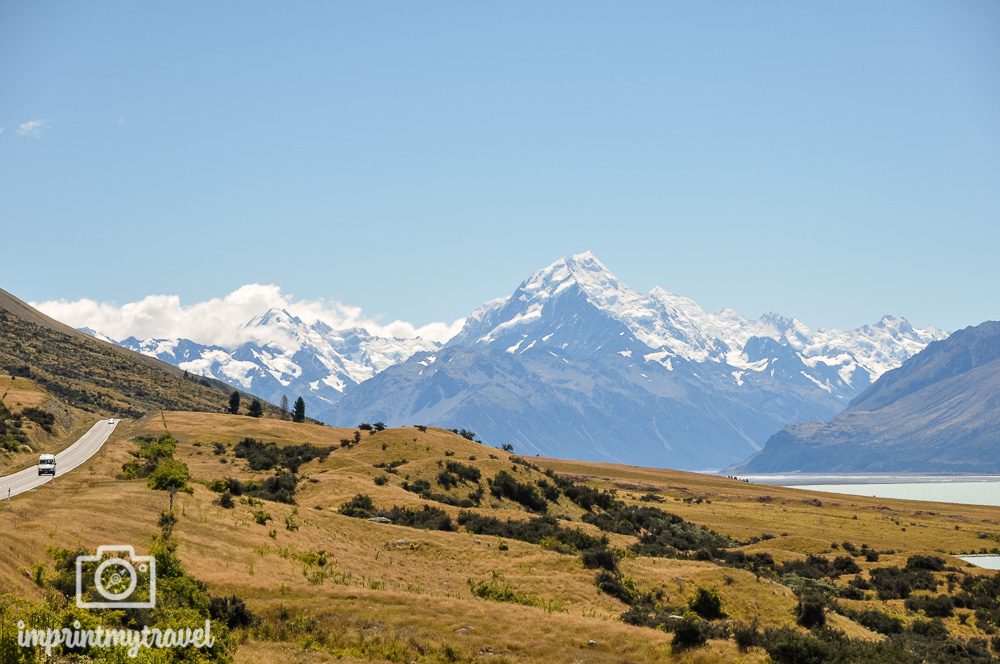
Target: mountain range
[
  {"x": 574, "y": 363},
  {"x": 938, "y": 412}
]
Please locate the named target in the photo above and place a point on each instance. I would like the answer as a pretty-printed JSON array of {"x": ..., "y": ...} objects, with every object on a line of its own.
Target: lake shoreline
[{"x": 815, "y": 479}]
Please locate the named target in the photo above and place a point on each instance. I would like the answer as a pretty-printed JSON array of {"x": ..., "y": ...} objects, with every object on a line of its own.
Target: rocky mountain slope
[{"x": 938, "y": 412}]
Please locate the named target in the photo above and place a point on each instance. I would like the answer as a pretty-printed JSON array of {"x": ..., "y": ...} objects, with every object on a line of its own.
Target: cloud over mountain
[{"x": 221, "y": 321}]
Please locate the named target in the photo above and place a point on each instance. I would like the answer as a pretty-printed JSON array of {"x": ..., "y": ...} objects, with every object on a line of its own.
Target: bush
[
  {"x": 267, "y": 456},
  {"x": 598, "y": 557},
  {"x": 505, "y": 486},
  {"x": 260, "y": 517},
  {"x": 381, "y": 480},
  {"x": 587, "y": 497},
  {"x": 690, "y": 632},
  {"x": 360, "y": 506},
  {"x": 40, "y": 417},
  {"x": 788, "y": 646},
  {"x": 879, "y": 622},
  {"x": 707, "y": 604},
  {"x": 930, "y": 563},
  {"x": 226, "y": 501},
  {"x": 897, "y": 583},
  {"x": 426, "y": 518},
  {"x": 747, "y": 636},
  {"x": 280, "y": 488},
  {"x": 232, "y": 611},
  {"x": 660, "y": 533},
  {"x": 616, "y": 586},
  {"x": 496, "y": 589},
  {"x": 532, "y": 531},
  {"x": 456, "y": 473},
  {"x": 811, "y": 612},
  {"x": 941, "y": 606}
]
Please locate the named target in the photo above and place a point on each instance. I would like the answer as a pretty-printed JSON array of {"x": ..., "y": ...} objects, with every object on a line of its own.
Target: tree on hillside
[
  {"x": 171, "y": 476},
  {"x": 255, "y": 409},
  {"x": 299, "y": 413},
  {"x": 234, "y": 403},
  {"x": 284, "y": 406}
]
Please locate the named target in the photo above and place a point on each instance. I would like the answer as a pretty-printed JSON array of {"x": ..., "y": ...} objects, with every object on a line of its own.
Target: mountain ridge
[{"x": 938, "y": 412}]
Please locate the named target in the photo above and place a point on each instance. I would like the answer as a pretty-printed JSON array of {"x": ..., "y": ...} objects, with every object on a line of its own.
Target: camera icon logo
[{"x": 118, "y": 577}]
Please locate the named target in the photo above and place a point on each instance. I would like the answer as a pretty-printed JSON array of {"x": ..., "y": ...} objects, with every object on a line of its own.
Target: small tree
[
  {"x": 707, "y": 604},
  {"x": 234, "y": 402},
  {"x": 299, "y": 412},
  {"x": 255, "y": 409},
  {"x": 171, "y": 476},
  {"x": 284, "y": 406}
]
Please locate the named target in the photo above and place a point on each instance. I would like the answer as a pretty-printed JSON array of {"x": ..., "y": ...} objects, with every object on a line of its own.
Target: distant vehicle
[{"x": 47, "y": 464}]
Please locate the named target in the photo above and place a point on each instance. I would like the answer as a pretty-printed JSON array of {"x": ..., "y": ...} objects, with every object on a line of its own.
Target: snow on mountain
[
  {"x": 291, "y": 357},
  {"x": 576, "y": 363}
]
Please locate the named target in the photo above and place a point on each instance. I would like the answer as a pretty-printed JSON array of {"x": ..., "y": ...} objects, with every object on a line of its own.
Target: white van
[{"x": 47, "y": 464}]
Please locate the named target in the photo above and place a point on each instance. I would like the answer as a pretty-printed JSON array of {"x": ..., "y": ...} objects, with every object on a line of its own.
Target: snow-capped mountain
[
  {"x": 575, "y": 363},
  {"x": 291, "y": 358}
]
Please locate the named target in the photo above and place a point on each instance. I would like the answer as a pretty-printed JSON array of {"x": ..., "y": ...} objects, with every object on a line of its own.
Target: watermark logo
[
  {"x": 118, "y": 577},
  {"x": 115, "y": 578}
]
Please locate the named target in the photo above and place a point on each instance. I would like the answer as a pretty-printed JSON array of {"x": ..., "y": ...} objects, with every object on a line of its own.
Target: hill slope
[
  {"x": 325, "y": 585},
  {"x": 938, "y": 412},
  {"x": 95, "y": 376}
]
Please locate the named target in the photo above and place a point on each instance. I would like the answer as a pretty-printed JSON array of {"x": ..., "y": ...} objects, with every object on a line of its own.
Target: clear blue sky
[{"x": 832, "y": 161}]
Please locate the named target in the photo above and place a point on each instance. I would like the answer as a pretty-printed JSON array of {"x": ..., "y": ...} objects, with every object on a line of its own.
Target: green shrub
[
  {"x": 879, "y": 622},
  {"x": 707, "y": 604},
  {"x": 940, "y": 606},
  {"x": 268, "y": 456},
  {"x": 40, "y": 417},
  {"x": 617, "y": 586},
  {"x": 788, "y": 646},
  {"x": 746, "y": 636},
  {"x": 598, "y": 557},
  {"x": 505, "y": 486},
  {"x": 811, "y": 612},
  {"x": 660, "y": 533},
  {"x": 930, "y": 563},
  {"x": 496, "y": 589},
  {"x": 532, "y": 531},
  {"x": 690, "y": 632}
]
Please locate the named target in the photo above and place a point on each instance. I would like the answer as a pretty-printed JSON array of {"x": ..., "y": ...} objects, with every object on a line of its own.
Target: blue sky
[{"x": 831, "y": 161}]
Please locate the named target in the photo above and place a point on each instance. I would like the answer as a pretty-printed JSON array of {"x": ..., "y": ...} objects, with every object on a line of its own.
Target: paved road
[{"x": 67, "y": 460}]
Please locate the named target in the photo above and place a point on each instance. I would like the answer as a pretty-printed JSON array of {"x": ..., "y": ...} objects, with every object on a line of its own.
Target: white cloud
[
  {"x": 220, "y": 321},
  {"x": 32, "y": 127}
]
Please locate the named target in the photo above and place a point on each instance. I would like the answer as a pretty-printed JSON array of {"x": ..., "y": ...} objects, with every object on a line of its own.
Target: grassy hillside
[
  {"x": 33, "y": 421},
  {"x": 92, "y": 375},
  {"x": 326, "y": 586}
]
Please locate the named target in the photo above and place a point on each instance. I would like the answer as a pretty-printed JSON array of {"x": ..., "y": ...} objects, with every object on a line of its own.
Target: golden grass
[{"x": 410, "y": 586}]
